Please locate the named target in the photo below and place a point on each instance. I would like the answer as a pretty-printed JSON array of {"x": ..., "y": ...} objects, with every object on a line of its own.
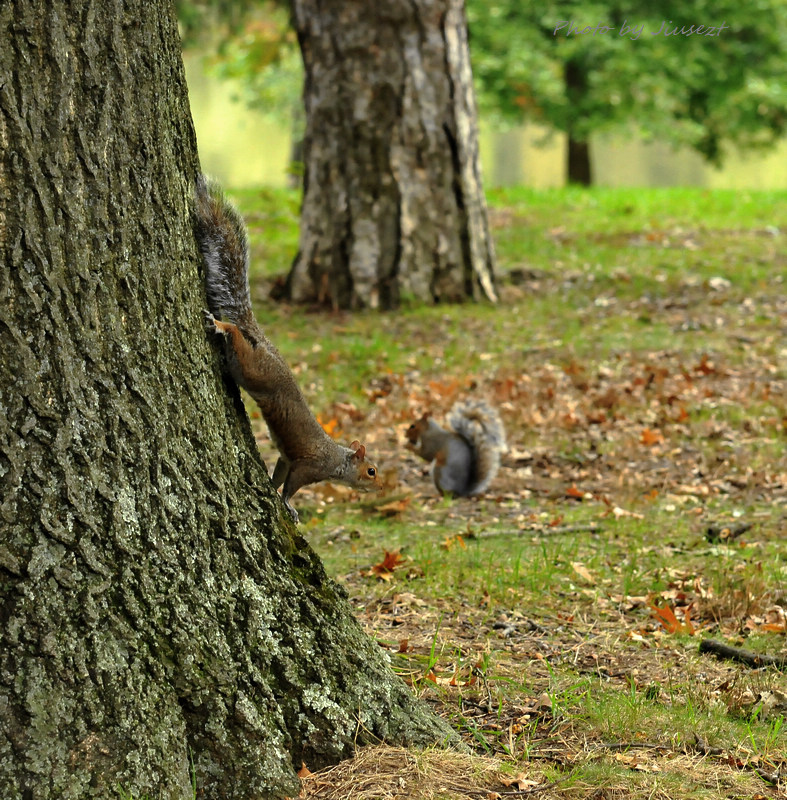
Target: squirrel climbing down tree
[
  {"x": 307, "y": 453},
  {"x": 467, "y": 458}
]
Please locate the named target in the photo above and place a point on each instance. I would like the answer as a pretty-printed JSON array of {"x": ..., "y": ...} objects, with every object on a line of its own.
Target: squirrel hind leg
[
  {"x": 280, "y": 472},
  {"x": 452, "y": 476}
]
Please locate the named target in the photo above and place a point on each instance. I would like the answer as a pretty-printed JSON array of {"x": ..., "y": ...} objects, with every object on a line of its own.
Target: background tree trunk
[
  {"x": 156, "y": 610},
  {"x": 578, "y": 162},
  {"x": 393, "y": 204},
  {"x": 578, "y": 169}
]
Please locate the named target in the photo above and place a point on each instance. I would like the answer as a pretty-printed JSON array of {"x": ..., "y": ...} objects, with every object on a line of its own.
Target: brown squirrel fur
[{"x": 307, "y": 453}]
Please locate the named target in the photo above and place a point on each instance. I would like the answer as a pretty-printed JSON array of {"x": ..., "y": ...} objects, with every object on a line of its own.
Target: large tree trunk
[
  {"x": 157, "y": 609},
  {"x": 393, "y": 204}
]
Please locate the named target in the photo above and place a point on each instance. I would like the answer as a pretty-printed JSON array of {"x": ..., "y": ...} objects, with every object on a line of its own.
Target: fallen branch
[
  {"x": 590, "y": 527},
  {"x": 700, "y": 746},
  {"x": 632, "y": 746},
  {"x": 748, "y": 657}
]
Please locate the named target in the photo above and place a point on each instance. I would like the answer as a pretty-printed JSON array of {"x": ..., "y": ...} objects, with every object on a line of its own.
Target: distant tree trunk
[
  {"x": 578, "y": 151},
  {"x": 156, "y": 608},
  {"x": 578, "y": 167},
  {"x": 393, "y": 204}
]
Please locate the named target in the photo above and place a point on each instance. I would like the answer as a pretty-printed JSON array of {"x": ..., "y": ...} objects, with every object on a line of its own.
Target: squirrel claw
[
  {"x": 293, "y": 512},
  {"x": 210, "y": 322}
]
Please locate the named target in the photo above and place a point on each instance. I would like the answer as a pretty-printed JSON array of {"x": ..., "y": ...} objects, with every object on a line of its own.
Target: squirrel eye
[{"x": 370, "y": 472}]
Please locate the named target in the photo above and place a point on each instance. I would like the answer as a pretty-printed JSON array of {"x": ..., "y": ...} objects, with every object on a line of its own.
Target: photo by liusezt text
[{"x": 667, "y": 28}]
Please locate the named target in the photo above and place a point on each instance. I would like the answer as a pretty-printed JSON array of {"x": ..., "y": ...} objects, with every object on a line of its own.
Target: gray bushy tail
[
  {"x": 481, "y": 426},
  {"x": 225, "y": 248}
]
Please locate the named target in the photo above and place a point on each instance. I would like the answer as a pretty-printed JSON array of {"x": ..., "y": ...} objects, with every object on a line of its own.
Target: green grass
[{"x": 638, "y": 359}]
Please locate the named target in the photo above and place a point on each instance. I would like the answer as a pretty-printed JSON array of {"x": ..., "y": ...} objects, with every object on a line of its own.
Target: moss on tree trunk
[{"x": 157, "y": 610}]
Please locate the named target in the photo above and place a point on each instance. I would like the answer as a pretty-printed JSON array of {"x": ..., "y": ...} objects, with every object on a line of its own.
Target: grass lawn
[{"x": 639, "y": 360}]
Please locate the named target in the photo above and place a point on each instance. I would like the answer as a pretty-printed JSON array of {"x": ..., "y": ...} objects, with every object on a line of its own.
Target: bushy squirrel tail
[
  {"x": 225, "y": 248},
  {"x": 481, "y": 426}
]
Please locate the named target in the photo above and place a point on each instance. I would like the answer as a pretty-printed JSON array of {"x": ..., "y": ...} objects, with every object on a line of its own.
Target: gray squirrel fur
[
  {"x": 466, "y": 458},
  {"x": 307, "y": 453},
  {"x": 224, "y": 244}
]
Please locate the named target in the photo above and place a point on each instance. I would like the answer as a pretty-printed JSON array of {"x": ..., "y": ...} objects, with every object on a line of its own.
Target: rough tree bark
[
  {"x": 393, "y": 204},
  {"x": 158, "y": 612}
]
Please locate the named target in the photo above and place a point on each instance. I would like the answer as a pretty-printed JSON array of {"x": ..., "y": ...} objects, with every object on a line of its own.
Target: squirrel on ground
[
  {"x": 467, "y": 458},
  {"x": 307, "y": 453}
]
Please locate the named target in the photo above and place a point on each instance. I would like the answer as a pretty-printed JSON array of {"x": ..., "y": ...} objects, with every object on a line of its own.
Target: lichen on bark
[{"x": 157, "y": 611}]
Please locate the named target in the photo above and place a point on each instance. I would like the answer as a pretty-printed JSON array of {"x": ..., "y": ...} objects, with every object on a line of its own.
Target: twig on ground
[
  {"x": 704, "y": 749},
  {"x": 633, "y": 746},
  {"x": 590, "y": 527},
  {"x": 748, "y": 657}
]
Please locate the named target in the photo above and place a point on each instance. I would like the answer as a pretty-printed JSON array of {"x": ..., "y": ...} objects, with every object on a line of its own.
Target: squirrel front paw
[
  {"x": 210, "y": 321},
  {"x": 216, "y": 326}
]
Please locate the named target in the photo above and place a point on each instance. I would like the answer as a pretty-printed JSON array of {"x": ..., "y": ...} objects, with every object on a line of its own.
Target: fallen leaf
[
  {"x": 544, "y": 702},
  {"x": 521, "y": 781},
  {"x": 774, "y": 627},
  {"x": 583, "y": 572},
  {"x": 618, "y": 512},
  {"x": 450, "y": 541},
  {"x": 651, "y": 437},
  {"x": 331, "y": 426},
  {"x": 352, "y": 411},
  {"x": 706, "y": 366},
  {"x": 395, "y": 507},
  {"x": 666, "y": 616},
  {"x": 441, "y": 389},
  {"x": 390, "y": 562}
]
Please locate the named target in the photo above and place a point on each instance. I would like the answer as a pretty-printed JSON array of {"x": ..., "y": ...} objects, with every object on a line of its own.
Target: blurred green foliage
[
  {"x": 531, "y": 62},
  {"x": 251, "y": 41},
  {"x": 704, "y": 91},
  {"x": 212, "y": 21}
]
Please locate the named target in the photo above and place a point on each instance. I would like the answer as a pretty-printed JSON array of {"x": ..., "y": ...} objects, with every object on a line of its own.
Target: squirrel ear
[
  {"x": 355, "y": 445},
  {"x": 360, "y": 450}
]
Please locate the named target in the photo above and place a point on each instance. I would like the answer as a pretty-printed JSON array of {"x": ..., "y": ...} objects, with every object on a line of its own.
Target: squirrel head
[
  {"x": 416, "y": 430},
  {"x": 366, "y": 475}
]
